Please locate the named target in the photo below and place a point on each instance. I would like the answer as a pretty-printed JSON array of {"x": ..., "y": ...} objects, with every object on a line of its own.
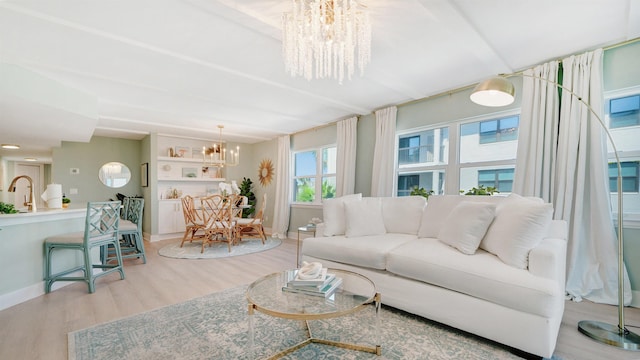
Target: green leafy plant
[
  {"x": 65, "y": 200},
  {"x": 7, "y": 208},
  {"x": 480, "y": 190},
  {"x": 246, "y": 189},
  {"x": 416, "y": 191},
  {"x": 328, "y": 190}
]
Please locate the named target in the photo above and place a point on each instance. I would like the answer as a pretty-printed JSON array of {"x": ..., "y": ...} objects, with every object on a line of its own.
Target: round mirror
[{"x": 114, "y": 174}]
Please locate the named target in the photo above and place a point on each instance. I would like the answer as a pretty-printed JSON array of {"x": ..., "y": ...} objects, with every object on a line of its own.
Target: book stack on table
[{"x": 323, "y": 285}]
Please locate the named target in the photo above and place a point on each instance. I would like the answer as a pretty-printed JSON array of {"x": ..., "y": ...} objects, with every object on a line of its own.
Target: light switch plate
[
  {"x": 73, "y": 191},
  {"x": 74, "y": 171}
]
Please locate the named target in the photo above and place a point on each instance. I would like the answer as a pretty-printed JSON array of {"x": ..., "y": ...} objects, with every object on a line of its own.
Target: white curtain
[
  {"x": 562, "y": 158},
  {"x": 583, "y": 186},
  {"x": 283, "y": 189},
  {"x": 346, "y": 156},
  {"x": 538, "y": 133},
  {"x": 384, "y": 152}
]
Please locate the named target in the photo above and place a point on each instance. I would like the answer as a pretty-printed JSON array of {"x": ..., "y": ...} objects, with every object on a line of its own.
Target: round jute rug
[{"x": 217, "y": 250}]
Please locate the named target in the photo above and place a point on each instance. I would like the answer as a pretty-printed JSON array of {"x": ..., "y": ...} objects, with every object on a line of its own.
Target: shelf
[
  {"x": 193, "y": 179},
  {"x": 183, "y": 160}
]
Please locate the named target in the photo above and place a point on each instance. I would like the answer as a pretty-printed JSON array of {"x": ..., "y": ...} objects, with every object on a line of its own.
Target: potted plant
[
  {"x": 65, "y": 202},
  {"x": 481, "y": 190},
  {"x": 416, "y": 191},
  {"x": 7, "y": 208},
  {"x": 246, "y": 190}
]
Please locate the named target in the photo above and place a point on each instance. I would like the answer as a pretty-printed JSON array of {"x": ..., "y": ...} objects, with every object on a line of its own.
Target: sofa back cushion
[
  {"x": 402, "y": 215},
  {"x": 334, "y": 216},
  {"x": 364, "y": 217}
]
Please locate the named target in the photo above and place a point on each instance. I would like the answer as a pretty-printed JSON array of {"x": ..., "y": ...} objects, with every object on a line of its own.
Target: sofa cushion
[
  {"x": 365, "y": 251},
  {"x": 519, "y": 226},
  {"x": 402, "y": 214},
  {"x": 364, "y": 217},
  {"x": 482, "y": 275},
  {"x": 333, "y": 213},
  {"x": 466, "y": 225}
]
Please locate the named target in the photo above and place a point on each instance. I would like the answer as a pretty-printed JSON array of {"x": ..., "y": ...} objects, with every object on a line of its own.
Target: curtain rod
[{"x": 463, "y": 88}]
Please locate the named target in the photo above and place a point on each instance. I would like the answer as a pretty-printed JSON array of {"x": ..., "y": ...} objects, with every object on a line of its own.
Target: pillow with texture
[
  {"x": 333, "y": 214},
  {"x": 364, "y": 217},
  {"x": 466, "y": 225},
  {"x": 519, "y": 226}
]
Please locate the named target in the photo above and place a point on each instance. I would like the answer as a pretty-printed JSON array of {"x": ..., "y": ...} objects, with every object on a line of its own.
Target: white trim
[{"x": 33, "y": 291}]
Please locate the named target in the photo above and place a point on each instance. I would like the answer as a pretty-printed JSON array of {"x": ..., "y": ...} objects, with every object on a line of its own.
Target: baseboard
[{"x": 33, "y": 291}]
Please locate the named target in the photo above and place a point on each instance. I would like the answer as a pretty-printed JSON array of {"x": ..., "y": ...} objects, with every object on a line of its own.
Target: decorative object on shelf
[
  {"x": 265, "y": 172},
  {"x": 419, "y": 191},
  {"x": 182, "y": 152},
  {"x": 336, "y": 33},
  {"x": 480, "y": 190},
  {"x": 190, "y": 172},
  {"x": 65, "y": 201},
  {"x": 216, "y": 154},
  {"x": 313, "y": 222},
  {"x": 498, "y": 91}
]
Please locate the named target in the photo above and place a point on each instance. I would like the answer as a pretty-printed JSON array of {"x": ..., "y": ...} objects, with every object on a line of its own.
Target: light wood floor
[{"x": 37, "y": 329}]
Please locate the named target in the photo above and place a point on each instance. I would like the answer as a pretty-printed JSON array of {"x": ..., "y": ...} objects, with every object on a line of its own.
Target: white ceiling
[{"x": 184, "y": 66}]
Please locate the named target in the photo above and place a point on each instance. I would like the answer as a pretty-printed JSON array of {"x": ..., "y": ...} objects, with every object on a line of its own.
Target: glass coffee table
[{"x": 356, "y": 292}]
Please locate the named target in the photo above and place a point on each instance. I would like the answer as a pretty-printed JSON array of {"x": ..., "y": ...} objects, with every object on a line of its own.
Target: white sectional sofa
[{"x": 489, "y": 265}]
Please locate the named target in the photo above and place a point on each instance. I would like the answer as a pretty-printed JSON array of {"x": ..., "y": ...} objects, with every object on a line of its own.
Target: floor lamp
[{"x": 498, "y": 91}]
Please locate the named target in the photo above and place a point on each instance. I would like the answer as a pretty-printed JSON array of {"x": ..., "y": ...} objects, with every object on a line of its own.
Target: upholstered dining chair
[
  {"x": 217, "y": 212},
  {"x": 252, "y": 227},
  {"x": 193, "y": 220},
  {"x": 101, "y": 230}
]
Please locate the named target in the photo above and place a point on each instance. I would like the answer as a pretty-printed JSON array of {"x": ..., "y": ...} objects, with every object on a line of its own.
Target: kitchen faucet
[{"x": 31, "y": 205}]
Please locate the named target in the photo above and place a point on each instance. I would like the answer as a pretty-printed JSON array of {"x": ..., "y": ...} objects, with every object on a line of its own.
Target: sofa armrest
[{"x": 548, "y": 260}]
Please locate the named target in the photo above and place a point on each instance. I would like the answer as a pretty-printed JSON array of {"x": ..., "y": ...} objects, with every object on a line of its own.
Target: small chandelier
[
  {"x": 216, "y": 155},
  {"x": 334, "y": 33}
]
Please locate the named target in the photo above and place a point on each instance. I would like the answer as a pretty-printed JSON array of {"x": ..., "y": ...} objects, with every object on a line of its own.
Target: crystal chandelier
[
  {"x": 216, "y": 155},
  {"x": 327, "y": 37}
]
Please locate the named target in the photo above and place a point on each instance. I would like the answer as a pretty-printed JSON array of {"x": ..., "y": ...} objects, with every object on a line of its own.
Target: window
[
  {"x": 624, "y": 111},
  {"x": 505, "y": 129},
  {"x": 630, "y": 176},
  {"x": 622, "y": 116},
  {"x": 314, "y": 175},
  {"x": 485, "y": 148},
  {"x": 501, "y": 179},
  {"x": 422, "y": 156}
]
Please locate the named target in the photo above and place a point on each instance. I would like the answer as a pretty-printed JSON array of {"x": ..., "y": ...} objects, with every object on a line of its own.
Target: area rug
[
  {"x": 191, "y": 250},
  {"x": 216, "y": 327}
]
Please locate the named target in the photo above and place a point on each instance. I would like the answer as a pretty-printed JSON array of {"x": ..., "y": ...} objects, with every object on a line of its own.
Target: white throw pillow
[
  {"x": 333, "y": 214},
  {"x": 466, "y": 225},
  {"x": 435, "y": 213},
  {"x": 364, "y": 217},
  {"x": 519, "y": 226}
]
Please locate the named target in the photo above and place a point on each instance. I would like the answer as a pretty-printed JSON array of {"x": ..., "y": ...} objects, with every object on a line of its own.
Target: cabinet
[{"x": 170, "y": 217}]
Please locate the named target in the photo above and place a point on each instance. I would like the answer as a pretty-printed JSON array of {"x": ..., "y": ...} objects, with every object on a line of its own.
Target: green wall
[{"x": 88, "y": 158}]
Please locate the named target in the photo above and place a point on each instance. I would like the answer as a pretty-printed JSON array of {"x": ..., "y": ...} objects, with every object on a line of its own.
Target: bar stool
[{"x": 101, "y": 230}]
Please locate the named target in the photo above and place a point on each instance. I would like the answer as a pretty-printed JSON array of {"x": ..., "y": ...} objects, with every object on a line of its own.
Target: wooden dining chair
[
  {"x": 252, "y": 227},
  {"x": 101, "y": 230},
  {"x": 217, "y": 212},
  {"x": 194, "y": 223}
]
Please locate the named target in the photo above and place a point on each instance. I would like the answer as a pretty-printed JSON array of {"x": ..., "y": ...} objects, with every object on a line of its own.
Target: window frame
[{"x": 319, "y": 175}]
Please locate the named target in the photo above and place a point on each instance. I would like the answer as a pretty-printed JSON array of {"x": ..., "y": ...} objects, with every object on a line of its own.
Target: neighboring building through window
[
  {"x": 314, "y": 175},
  {"x": 485, "y": 148}
]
